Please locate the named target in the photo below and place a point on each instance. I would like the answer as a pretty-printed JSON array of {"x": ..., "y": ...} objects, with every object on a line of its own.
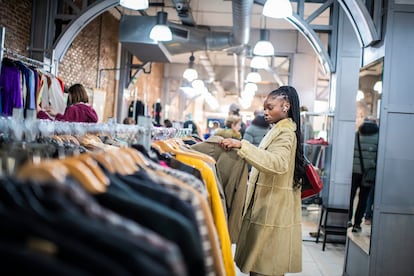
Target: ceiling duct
[{"x": 134, "y": 34}]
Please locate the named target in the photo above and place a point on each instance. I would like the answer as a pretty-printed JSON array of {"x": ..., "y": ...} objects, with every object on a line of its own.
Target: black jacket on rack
[
  {"x": 158, "y": 218},
  {"x": 60, "y": 230}
]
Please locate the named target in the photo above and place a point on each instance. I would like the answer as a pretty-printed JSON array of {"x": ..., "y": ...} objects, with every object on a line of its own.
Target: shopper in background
[
  {"x": 368, "y": 143},
  {"x": 167, "y": 123},
  {"x": 257, "y": 130},
  {"x": 77, "y": 110},
  {"x": 270, "y": 240},
  {"x": 234, "y": 110},
  {"x": 129, "y": 121},
  {"x": 306, "y": 127},
  {"x": 232, "y": 128},
  {"x": 216, "y": 125}
]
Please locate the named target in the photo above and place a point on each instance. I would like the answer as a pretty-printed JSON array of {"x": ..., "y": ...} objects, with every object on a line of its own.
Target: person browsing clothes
[
  {"x": 270, "y": 239},
  {"x": 232, "y": 129},
  {"x": 77, "y": 109},
  {"x": 257, "y": 130}
]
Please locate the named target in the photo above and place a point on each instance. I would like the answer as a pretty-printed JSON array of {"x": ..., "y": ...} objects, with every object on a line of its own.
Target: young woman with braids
[{"x": 270, "y": 240}]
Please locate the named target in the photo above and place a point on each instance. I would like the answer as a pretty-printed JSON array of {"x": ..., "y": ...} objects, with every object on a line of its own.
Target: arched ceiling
[{"x": 310, "y": 18}]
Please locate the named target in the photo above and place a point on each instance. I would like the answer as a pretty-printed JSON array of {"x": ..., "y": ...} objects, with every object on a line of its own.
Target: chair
[{"x": 328, "y": 229}]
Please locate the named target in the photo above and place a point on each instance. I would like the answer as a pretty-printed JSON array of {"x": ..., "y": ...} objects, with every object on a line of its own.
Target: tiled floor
[{"x": 316, "y": 262}]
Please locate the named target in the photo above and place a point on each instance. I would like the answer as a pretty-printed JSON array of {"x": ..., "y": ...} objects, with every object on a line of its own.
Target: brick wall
[
  {"x": 150, "y": 85},
  {"x": 94, "y": 48},
  {"x": 16, "y": 16},
  {"x": 82, "y": 63}
]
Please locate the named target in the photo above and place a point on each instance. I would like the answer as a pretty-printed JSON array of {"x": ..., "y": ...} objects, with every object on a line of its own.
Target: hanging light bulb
[
  {"x": 190, "y": 73},
  {"x": 259, "y": 62},
  {"x": 360, "y": 95},
  {"x": 134, "y": 4},
  {"x": 253, "y": 76},
  {"x": 161, "y": 32},
  {"x": 198, "y": 84},
  {"x": 264, "y": 47},
  {"x": 277, "y": 8},
  {"x": 378, "y": 87}
]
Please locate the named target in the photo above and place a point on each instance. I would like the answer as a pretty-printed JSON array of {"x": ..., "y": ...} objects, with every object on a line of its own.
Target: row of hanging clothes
[
  {"x": 90, "y": 199},
  {"x": 24, "y": 84}
]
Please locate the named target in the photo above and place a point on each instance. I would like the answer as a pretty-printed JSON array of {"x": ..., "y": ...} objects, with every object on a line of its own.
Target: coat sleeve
[
  {"x": 43, "y": 115},
  {"x": 275, "y": 158}
]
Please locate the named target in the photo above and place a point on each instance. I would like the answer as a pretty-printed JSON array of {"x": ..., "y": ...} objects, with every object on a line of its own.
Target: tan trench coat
[{"x": 270, "y": 240}]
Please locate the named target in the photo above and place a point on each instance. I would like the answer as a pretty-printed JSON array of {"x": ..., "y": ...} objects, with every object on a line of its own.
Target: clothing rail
[
  {"x": 22, "y": 58},
  {"x": 2, "y": 38},
  {"x": 26, "y": 60},
  {"x": 29, "y": 130}
]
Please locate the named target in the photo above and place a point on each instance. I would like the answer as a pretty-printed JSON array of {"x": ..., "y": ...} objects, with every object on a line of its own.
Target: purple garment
[
  {"x": 79, "y": 112},
  {"x": 10, "y": 88}
]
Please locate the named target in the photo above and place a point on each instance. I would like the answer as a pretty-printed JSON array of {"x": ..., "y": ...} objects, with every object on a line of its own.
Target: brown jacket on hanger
[{"x": 232, "y": 172}]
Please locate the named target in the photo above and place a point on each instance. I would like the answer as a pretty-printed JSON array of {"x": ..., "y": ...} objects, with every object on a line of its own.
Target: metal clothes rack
[{"x": 22, "y": 58}]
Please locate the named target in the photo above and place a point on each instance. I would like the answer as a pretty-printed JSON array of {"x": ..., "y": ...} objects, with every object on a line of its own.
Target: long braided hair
[{"x": 289, "y": 94}]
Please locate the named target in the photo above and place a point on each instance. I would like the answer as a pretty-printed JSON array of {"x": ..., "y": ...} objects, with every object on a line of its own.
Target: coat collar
[{"x": 284, "y": 124}]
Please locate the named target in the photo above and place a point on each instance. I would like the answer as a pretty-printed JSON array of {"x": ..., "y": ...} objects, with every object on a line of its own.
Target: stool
[{"x": 330, "y": 229}]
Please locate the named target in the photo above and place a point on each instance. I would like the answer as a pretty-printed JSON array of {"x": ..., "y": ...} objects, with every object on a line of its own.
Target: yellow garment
[{"x": 216, "y": 209}]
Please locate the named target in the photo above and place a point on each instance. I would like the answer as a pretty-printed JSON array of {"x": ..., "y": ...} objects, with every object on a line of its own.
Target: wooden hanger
[
  {"x": 105, "y": 160},
  {"x": 44, "y": 171},
  {"x": 89, "y": 161},
  {"x": 81, "y": 172},
  {"x": 180, "y": 148},
  {"x": 165, "y": 146},
  {"x": 59, "y": 170},
  {"x": 128, "y": 159},
  {"x": 123, "y": 163},
  {"x": 136, "y": 156},
  {"x": 157, "y": 148}
]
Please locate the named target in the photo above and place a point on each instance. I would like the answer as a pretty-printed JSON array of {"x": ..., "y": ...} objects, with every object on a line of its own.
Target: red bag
[{"x": 312, "y": 183}]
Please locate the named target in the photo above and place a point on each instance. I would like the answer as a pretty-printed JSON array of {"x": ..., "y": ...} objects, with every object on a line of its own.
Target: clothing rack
[
  {"x": 2, "y": 38},
  {"x": 11, "y": 53},
  {"x": 29, "y": 130}
]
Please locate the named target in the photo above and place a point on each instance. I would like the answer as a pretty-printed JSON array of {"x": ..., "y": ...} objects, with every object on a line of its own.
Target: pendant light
[
  {"x": 253, "y": 76},
  {"x": 264, "y": 47},
  {"x": 378, "y": 87},
  {"x": 259, "y": 62},
  {"x": 134, "y": 4},
  {"x": 277, "y": 8},
  {"x": 161, "y": 32},
  {"x": 190, "y": 73}
]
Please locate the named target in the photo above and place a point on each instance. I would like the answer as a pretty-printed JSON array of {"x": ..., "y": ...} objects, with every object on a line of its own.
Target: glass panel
[{"x": 365, "y": 154}]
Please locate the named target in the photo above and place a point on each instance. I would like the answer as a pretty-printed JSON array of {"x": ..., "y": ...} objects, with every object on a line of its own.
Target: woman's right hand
[{"x": 229, "y": 143}]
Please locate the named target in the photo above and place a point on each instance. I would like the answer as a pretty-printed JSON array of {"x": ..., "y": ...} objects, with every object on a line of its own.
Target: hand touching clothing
[
  {"x": 50, "y": 111},
  {"x": 230, "y": 143}
]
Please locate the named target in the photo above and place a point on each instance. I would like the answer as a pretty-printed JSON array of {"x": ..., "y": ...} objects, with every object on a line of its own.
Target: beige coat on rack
[{"x": 232, "y": 172}]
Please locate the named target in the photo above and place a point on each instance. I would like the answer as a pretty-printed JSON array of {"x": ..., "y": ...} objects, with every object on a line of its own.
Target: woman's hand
[
  {"x": 51, "y": 111},
  {"x": 229, "y": 143}
]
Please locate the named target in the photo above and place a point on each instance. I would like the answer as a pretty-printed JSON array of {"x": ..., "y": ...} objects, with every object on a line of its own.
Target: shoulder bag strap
[{"x": 360, "y": 154}]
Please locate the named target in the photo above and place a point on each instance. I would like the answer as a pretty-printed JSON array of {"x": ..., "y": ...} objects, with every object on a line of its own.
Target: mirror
[{"x": 365, "y": 154}]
